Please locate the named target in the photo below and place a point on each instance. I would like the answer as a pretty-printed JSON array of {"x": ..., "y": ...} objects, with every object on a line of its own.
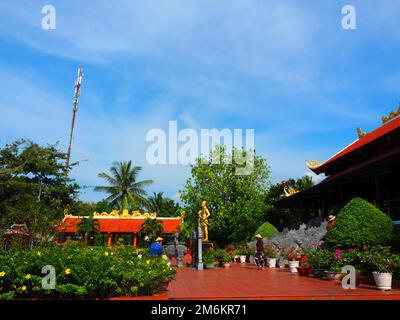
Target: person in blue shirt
[{"x": 156, "y": 247}]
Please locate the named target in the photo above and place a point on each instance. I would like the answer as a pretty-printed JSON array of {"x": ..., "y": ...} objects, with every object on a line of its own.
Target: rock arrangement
[{"x": 307, "y": 235}]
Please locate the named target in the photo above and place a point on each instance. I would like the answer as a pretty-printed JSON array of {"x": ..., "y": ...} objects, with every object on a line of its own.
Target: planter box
[{"x": 209, "y": 266}]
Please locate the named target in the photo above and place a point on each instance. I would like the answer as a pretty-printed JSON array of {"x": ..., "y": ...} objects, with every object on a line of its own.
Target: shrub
[
  {"x": 209, "y": 257},
  {"x": 94, "y": 272},
  {"x": 396, "y": 266},
  {"x": 360, "y": 224},
  {"x": 267, "y": 230}
]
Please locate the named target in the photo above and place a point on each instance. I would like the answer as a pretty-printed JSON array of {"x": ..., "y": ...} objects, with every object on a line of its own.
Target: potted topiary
[
  {"x": 381, "y": 260},
  {"x": 271, "y": 253}
]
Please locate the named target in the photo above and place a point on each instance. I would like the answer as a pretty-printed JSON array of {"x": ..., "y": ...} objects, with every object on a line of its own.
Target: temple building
[
  {"x": 368, "y": 168},
  {"x": 114, "y": 223}
]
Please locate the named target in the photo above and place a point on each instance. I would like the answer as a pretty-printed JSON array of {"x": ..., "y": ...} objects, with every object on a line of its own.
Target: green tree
[
  {"x": 236, "y": 202},
  {"x": 88, "y": 228},
  {"x": 152, "y": 228},
  {"x": 163, "y": 206},
  {"x": 124, "y": 189},
  {"x": 33, "y": 188}
]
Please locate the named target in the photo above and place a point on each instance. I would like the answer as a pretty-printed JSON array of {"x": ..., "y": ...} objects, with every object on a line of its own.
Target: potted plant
[
  {"x": 320, "y": 261},
  {"x": 224, "y": 258},
  {"x": 334, "y": 271},
  {"x": 242, "y": 253},
  {"x": 209, "y": 259},
  {"x": 271, "y": 253},
  {"x": 381, "y": 260},
  {"x": 293, "y": 256}
]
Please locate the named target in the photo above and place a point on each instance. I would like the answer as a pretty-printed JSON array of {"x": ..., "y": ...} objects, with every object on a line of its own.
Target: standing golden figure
[{"x": 204, "y": 214}]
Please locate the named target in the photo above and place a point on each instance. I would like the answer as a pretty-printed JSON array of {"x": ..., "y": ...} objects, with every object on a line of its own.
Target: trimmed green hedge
[
  {"x": 93, "y": 272},
  {"x": 360, "y": 224},
  {"x": 267, "y": 230}
]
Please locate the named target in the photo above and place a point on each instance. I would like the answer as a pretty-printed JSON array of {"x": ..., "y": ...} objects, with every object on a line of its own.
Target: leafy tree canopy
[
  {"x": 236, "y": 202},
  {"x": 34, "y": 188}
]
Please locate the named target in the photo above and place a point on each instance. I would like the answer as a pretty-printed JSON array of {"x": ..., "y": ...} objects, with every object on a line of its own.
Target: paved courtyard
[{"x": 245, "y": 282}]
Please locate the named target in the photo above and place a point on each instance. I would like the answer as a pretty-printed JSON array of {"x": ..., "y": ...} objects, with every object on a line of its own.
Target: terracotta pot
[
  {"x": 227, "y": 265},
  {"x": 305, "y": 272}
]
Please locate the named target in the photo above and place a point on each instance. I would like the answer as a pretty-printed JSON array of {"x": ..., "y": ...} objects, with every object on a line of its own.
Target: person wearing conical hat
[
  {"x": 156, "y": 247},
  {"x": 331, "y": 222},
  {"x": 259, "y": 252}
]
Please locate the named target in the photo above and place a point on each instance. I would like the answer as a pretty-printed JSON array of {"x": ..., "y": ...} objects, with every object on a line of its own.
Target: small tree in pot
[{"x": 380, "y": 258}]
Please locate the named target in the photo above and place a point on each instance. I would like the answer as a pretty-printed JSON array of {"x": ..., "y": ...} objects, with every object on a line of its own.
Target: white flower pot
[
  {"x": 271, "y": 262},
  {"x": 383, "y": 281},
  {"x": 252, "y": 260},
  {"x": 293, "y": 265},
  {"x": 242, "y": 259}
]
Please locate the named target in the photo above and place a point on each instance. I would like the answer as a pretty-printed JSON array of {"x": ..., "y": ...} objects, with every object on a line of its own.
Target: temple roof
[
  {"x": 362, "y": 142},
  {"x": 119, "y": 225}
]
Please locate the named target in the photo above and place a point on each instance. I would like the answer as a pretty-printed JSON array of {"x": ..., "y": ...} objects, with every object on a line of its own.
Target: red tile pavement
[{"x": 245, "y": 282}]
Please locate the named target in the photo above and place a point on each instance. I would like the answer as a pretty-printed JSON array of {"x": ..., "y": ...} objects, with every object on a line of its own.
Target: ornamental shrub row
[{"x": 93, "y": 272}]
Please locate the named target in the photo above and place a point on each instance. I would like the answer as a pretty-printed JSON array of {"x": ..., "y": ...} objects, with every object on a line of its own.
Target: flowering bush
[
  {"x": 94, "y": 272},
  {"x": 291, "y": 253},
  {"x": 270, "y": 251}
]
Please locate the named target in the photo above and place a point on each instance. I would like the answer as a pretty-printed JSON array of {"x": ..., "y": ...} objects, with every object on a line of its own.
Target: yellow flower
[
  {"x": 23, "y": 288},
  {"x": 164, "y": 257},
  {"x": 106, "y": 253},
  {"x": 38, "y": 253},
  {"x": 28, "y": 276},
  {"x": 67, "y": 271},
  {"x": 148, "y": 261},
  {"x": 2, "y": 274}
]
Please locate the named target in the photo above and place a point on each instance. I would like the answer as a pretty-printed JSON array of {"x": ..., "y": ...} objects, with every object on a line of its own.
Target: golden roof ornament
[
  {"x": 360, "y": 133},
  {"x": 393, "y": 114},
  {"x": 313, "y": 164},
  {"x": 289, "y": 191}
]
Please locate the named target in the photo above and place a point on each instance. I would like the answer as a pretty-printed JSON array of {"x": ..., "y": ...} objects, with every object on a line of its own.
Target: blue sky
[{"x": 286, "y": 69}]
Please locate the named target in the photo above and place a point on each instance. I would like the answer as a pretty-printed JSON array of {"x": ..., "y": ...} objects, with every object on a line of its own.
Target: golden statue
[{"x": 204, "y": 214}]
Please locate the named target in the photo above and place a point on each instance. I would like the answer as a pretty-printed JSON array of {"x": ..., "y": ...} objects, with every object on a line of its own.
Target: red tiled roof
[
  {"x": 368, "y": 138},
  {"x": 120, "y": 225}
]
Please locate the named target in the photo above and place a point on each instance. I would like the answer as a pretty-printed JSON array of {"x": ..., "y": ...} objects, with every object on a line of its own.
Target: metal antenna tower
[{"x": 74, "y": 110}]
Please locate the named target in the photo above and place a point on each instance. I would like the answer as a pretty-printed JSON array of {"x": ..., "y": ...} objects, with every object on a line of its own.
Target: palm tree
[
  {"x": 155, "y": 203},
  {"x": 88, "y": 227},
  {"x": 305, "y": 182},
  {"x": 125, "y": 191}
]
